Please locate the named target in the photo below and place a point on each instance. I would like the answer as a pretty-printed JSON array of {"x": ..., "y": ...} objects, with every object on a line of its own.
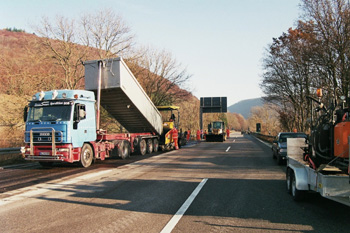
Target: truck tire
[
  {"x": 149, "y": 146},
  {"x": 86, "y": 156},
  {"x": 155, "y": 145},
  {"x": 142, "y": 147},
  {"x": 298, "y": 195},
  {"x": 289, "y": 174},
  {"x": 124, "y": 150}
]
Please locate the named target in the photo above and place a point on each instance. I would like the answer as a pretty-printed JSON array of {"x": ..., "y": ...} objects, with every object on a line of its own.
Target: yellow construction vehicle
[
  {"x": 170, "y": 137},
  {"x": 216, "y": 132}
]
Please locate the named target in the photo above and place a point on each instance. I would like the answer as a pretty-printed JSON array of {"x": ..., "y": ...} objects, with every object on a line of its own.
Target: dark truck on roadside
[{"x": 279, "y": 145}]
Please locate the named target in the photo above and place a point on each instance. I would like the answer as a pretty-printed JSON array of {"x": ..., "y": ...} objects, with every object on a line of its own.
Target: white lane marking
[
  {"x": 228, "y": 148},
  {"x": 176, "y": 218}
]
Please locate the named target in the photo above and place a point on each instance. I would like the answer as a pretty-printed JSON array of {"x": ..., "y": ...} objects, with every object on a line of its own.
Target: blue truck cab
[{"x": 58, "y": 124}]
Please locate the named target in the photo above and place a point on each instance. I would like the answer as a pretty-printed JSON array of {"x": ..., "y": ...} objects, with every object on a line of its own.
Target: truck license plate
[{"x": 44, "y": 153}]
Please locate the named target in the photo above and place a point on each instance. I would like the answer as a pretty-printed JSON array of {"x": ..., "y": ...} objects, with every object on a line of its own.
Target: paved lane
[{"x": 244, "y": 192}]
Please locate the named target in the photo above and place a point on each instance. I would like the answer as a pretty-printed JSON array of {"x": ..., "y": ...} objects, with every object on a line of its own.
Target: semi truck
[
  {"x": 216, "y": 132},
  {"x": 64, "y": 125},
  {"x": 320, "y": 163}
]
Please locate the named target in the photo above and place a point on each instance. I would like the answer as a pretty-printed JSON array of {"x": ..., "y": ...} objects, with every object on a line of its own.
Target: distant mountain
[{"x": 243, "y": 107}]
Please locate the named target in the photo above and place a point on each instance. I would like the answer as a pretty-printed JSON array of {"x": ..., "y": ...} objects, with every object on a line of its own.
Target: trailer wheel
[
  {"x": 155, "y": 145},
  {"x": 149, "y": 149},
  {"x": 298, "y": 195},
  {"x": 86, "y": 156},
  {"x": 124, "y": 150},
  {"x": 289, "y": 174},
  {"x": 142, "y": 147}
]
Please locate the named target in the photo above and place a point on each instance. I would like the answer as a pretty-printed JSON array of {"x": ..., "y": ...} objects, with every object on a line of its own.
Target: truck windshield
[
  {"x": 49, "y": 113},
  {"x": 217, "y": 125},
  {"x": 283, "y": 137}
]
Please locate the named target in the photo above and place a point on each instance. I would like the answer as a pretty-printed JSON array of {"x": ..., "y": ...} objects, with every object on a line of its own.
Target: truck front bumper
[{"x": 64, "y": 153}]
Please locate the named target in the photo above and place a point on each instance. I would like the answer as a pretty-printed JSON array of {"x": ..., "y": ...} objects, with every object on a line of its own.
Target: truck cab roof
[{"x": 64, "y": 95}]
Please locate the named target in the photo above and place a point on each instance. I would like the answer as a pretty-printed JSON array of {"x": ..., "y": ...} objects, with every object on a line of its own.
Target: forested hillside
[
  {"x": 27, "y": 66},
  {"x": 244, "y": 107}
]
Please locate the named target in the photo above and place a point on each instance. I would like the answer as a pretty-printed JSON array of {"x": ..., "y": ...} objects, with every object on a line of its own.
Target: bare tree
[
  {"x": 61, "y": 39},
  {"x": 268, "y": 117},
  {"x": 107, "y": 32},
  {"x": 161, "y": 76},
  {"x": 290, "y": 74},
  {"x": 103, "y": 34},
  {"x": 330, "y": 21},
  {"x": 315, "y": 54}
]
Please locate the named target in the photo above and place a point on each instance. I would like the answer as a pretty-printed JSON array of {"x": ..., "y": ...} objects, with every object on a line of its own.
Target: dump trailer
[
  {"x": 327, "y": 180},
  {"x": 122, "y": 96},
  {"x": 64, "y": 125},
  {"x": 216, "y": 132}
]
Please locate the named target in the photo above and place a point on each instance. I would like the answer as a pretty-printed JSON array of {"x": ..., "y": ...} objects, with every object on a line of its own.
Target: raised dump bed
[{"x": 122, "y": 96}]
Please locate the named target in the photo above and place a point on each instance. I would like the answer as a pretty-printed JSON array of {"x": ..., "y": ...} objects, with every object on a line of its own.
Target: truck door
[{"x": 81, "y": 131}]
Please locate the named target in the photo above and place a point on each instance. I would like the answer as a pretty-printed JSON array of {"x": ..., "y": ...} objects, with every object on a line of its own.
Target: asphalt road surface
[{"x": 233, "y": 186}]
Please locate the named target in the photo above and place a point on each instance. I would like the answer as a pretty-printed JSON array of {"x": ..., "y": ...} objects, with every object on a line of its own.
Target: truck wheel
[
  {"x": 279, "y": 160},
  {"x": 149, "y": 146},
  {"x": 273, "y": 154},
  {"x": 298, "y": 195},
  {"x": 155, "y": 145},
  {"x": 124, "y": 150},
  {"x": 142, "y": 147},
  {"x": 86, "y": 156},
  {"x": 289, "y": 174}
]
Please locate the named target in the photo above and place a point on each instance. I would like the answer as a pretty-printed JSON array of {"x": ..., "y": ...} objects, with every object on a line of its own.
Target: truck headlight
[{"x": 62, "y": 149}]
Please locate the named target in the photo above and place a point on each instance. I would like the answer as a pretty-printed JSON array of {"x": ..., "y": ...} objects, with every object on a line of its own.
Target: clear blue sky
[{"x": 221, "y": 42}]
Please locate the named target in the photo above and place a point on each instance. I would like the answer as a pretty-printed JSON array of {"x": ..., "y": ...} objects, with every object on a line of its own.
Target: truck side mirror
[
  {"x": 82, "y": 114},
  {"x": 25, "y": 113}
]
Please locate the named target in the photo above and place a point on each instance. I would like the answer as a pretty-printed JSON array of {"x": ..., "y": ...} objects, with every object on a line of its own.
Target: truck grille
[{"x": 45, "y": 136}]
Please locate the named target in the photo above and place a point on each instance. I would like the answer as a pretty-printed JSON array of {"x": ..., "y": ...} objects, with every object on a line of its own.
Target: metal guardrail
[
  {"x": 4, "y": 151},
  {"x": 267, "y": 138}
]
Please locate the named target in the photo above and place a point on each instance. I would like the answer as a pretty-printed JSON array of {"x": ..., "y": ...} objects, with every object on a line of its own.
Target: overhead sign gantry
[{"x": 211, "y": 105}]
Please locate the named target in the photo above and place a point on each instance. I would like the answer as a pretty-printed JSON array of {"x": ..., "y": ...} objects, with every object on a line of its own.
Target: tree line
[{"x": 314, "y": 54}]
